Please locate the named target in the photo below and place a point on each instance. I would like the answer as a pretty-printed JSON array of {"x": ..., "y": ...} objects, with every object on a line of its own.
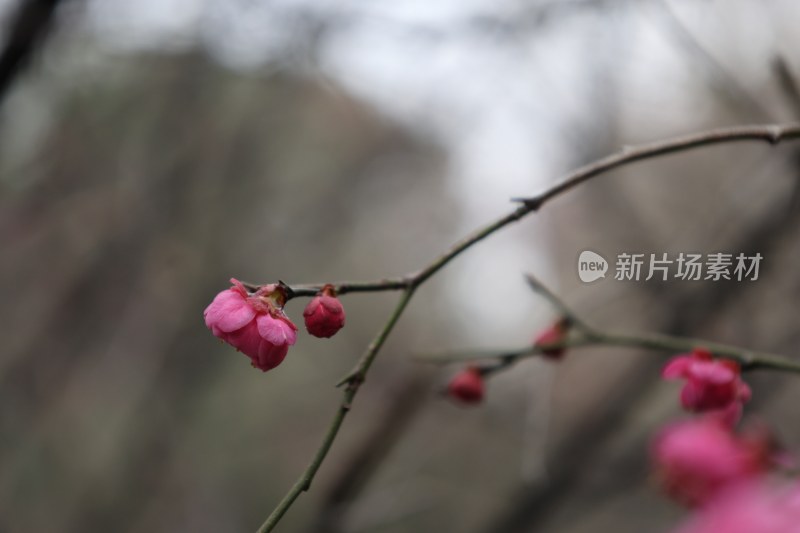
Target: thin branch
[
  {"x": 342, "y": 287},
  {"x": 540, "y": 288},
  {"x": 356, "y": 379},
  {"x": 30, "y": 24},
  {"x": 420, "y": 277},
  {"x": 748, "y": 359},
  {"x": 771, "y": 134},
  {"x": 587, "y": 335},
  {"x": 408, "y": 284}
]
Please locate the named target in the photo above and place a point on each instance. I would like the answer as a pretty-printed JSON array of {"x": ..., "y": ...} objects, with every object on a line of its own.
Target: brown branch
[
  {"x": 587, "y": 336},
  {"x": 408, "y": 284},
  {"x": 29, "y": 26},
  {"x": 771, "y": 134}
]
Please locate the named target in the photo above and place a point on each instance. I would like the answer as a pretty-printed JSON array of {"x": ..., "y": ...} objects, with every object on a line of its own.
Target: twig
[
  {"x": 748, "y": 359},
  {"x": 587, "y": 335},
  {"x": 771, "y": 134},
  {"x": 408, "y": 284},
  {"x": 31, "y": 22},
  {"x": 354, "y": 381},
  {"x": 574, "y": 320}
]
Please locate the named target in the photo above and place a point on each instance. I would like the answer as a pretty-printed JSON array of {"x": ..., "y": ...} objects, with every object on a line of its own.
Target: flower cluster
[
  {"x": 706, "y": 464},
  {"x": 712, "y": 385},
  {"x": 256, "y": 325}
]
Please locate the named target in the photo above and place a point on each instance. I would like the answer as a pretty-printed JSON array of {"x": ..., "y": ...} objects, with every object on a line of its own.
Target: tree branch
[
  {"x": 354, "y": 381},
  {"x": 587, "y": 335},
  {"x": 771, "y": 134},
  {"x": 409, "y": 283},
  {"x": 29, "y": 26}
]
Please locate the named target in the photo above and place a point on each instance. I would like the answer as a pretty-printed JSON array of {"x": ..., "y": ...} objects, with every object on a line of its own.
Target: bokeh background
[{"x": 151, "y": 150}]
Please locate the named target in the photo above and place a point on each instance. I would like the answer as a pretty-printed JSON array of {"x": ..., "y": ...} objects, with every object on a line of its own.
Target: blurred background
[{"x": 151, "y": 150}]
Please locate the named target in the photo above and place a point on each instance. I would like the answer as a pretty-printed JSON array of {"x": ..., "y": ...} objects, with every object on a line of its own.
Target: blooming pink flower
[
  {"x": 711, "y": 384},
  {"x": 554, "y": 334},
  {"x": 324, "y": 314},
  {"x": 467, "y": 386},
  {"x": 695, "y": 459},
  {"x": 253, "y": 324},
  {"x": 756, "y": 507}
]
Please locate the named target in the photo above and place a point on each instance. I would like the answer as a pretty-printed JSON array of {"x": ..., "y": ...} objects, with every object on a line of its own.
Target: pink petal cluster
[
  {"x": 467, "y": 386},
  {"x": 253, "y": 324},
  {"x": 711, "y": 384},
  {"x": 756, "y": 507},
  {"x": 696, "y": 459},
  {"x": 324, "y": 314}
]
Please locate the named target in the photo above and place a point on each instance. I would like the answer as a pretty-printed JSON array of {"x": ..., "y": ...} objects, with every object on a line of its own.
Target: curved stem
[
  {"x": 771, "y": 134},
  {"x": 354, "y": 381}
]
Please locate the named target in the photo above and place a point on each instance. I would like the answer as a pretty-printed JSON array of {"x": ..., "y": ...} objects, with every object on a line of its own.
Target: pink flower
[
  {"x": 324, "y": 314},
  {"x": 467, "y": 386},
  {"x": 711, "y": 385},
  {"x": 253, "y": 324},
  {"x": 756, "y": 507},
  {"x": 552, "y": 335},
  {"x": 695, "y": 459}
]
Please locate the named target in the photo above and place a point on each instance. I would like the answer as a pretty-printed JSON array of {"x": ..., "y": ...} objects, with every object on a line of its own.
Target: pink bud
[
  {"x": 324, "y": 314},
  {"x": 554, "y": 334},
  {"x": 695, "y": 459},
  {"x": 253, "y": 324},
  {"x": 467, "y": 386},
  {"x": 711, "y": 384}
]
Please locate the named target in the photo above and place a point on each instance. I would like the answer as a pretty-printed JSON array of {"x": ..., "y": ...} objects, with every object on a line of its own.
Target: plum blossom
[
  {"x": 711, "y": 384},
  {"x": 554, "y": 334},
  {"x": 754, "y": 507},
  {"x": 696, "y": 459},
  {"x": 467, "y": 386},
  {"x": 254, "y": 323},
  {"x": 324, "y": 314}
]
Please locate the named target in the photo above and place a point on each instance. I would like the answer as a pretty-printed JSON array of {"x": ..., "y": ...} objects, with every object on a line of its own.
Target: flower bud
[
  {"x": 324, "y": 314},
  {"x": 712, "y": 385},
  {"x": 467, "y": 386},
  {"x": 552, "y": 335}
]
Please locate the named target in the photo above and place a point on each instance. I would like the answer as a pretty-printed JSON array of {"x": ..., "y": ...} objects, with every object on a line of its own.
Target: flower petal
[
  {"x": 228, "y": 312},
  {"x": 677, "y": 367},
  {"x": 246, "y": 340},
  {"x": 711, "y": 372},
  {"x": 270, "y": 355},
  {"x": 276, "y": 330}
]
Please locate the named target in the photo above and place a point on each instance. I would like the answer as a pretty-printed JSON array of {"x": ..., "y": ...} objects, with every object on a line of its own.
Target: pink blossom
[
  {"x": 554, "y": 334},
  {"x": 324, "y": 314},
  {"x": 697, "y": 458},
  {"x": 755, "y": 507},
  {"x": 467, "y": 386},
  {"x": 253, "y": 324},
  {"x": 711, "y": 384}
]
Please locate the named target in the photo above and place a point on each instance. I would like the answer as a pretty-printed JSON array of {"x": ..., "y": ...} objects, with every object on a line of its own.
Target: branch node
[
  {"x": 775, "y": 133},
  {"x": 532, "y": 203}
]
